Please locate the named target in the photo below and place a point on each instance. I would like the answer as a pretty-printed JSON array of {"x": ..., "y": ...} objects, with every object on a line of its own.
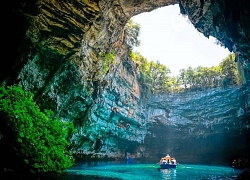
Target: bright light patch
[{"x": 170, "y": 38}]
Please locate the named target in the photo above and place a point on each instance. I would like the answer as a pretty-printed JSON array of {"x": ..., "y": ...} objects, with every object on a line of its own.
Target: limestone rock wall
[
  {"x": 116, "y": 121},
  {"x": 208, "y": 109},
  {"x": 209, "y": 124}
]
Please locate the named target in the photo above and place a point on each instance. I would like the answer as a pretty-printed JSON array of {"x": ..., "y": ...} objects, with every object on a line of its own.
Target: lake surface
[{"x": 122, "y": 171}]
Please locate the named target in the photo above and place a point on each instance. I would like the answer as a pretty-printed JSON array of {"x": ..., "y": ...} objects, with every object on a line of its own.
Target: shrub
[{"x": 31, "y": 140}]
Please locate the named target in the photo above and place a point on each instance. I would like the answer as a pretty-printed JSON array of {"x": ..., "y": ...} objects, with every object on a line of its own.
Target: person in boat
[
  {"x": 163, "y": 161},
  {"x": 173, "y": 161},
  {"x": 168, "y": 158}
]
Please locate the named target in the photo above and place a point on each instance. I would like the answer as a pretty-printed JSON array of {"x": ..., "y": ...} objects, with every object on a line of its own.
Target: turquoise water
[{"x": 109, "y": 171}]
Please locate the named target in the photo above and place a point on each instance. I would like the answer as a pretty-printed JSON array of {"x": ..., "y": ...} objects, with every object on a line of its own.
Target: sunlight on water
[{"x": 149, "y": 172}]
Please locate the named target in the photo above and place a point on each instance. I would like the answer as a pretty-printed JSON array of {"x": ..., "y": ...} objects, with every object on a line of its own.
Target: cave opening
[
  {"x": 210, "y": 134},
  {"x": 169, "y": 37}
]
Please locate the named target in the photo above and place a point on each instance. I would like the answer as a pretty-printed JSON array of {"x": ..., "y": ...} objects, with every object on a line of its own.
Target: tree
[
  {"x": 132, "y": 31},
  {"x": 144, "y": 68},
  {"x": 191, "y": 76},
  {"x": 160, "y": 76},
  {"x": 182, "y": 78},
  {"x": 31, "y": 141},
  {"x": 154, "y": 75},
  {"x": 229, "y": 71}
]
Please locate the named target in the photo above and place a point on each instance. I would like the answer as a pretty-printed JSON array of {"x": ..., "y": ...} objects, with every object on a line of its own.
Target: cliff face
[
  {"x": 209, "y": 126},
  {"x": 115, "y": 119},
  {"x": 60, "y": 52}
]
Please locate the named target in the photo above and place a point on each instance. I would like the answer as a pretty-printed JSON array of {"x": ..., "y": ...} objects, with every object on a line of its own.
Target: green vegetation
[
  {"x": 230, "y": 75},
  {"x": 224, "y": 75},
  {"x": 107, "y": 59},
  {"x": 132, "y": 31},
  {"x": 31, "y": 141},
  {"x": 156, "y": 78}
]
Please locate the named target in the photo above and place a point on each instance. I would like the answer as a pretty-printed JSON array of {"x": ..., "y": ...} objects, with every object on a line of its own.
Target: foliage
[
  {"x": 132, "y": 31},
  {"x": 229, "y": 71},
  {"x": 31, "y": 139},
  {"x": 156, "y": 76},
  {"x": 145, "y": 76},
  {"x": 200, "y": 77},
  {"x": 226, "y": 74},
  {"x": 107, "y": 59}
]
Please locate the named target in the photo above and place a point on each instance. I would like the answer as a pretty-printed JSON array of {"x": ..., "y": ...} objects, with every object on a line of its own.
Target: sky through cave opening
[{"x": 170, "y": 38}]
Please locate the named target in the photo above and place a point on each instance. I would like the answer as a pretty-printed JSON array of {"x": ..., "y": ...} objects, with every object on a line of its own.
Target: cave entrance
[{"x": 170, "y": 38}]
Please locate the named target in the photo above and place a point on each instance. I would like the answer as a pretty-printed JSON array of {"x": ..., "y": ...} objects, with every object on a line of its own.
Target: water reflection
[{"x": 168, "y": 174}]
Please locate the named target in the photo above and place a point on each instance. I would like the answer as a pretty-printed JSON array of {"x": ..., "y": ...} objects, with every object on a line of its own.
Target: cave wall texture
[{"x": 55, "y": 49}]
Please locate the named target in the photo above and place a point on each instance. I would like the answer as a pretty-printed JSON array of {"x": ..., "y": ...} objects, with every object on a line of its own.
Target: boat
[
  {"x": 167, "y": 166},
  {"x": 167, "y": 162},
  {"x": 130, "y": 158}
]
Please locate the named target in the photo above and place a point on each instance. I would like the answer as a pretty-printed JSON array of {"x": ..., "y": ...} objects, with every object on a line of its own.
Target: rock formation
[
  {"x": 209, "y": 126},
  {"x": 59, "y": 50}
]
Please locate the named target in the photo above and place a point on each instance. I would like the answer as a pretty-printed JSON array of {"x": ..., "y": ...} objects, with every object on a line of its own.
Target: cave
[{"x": 58, "y": 51}]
